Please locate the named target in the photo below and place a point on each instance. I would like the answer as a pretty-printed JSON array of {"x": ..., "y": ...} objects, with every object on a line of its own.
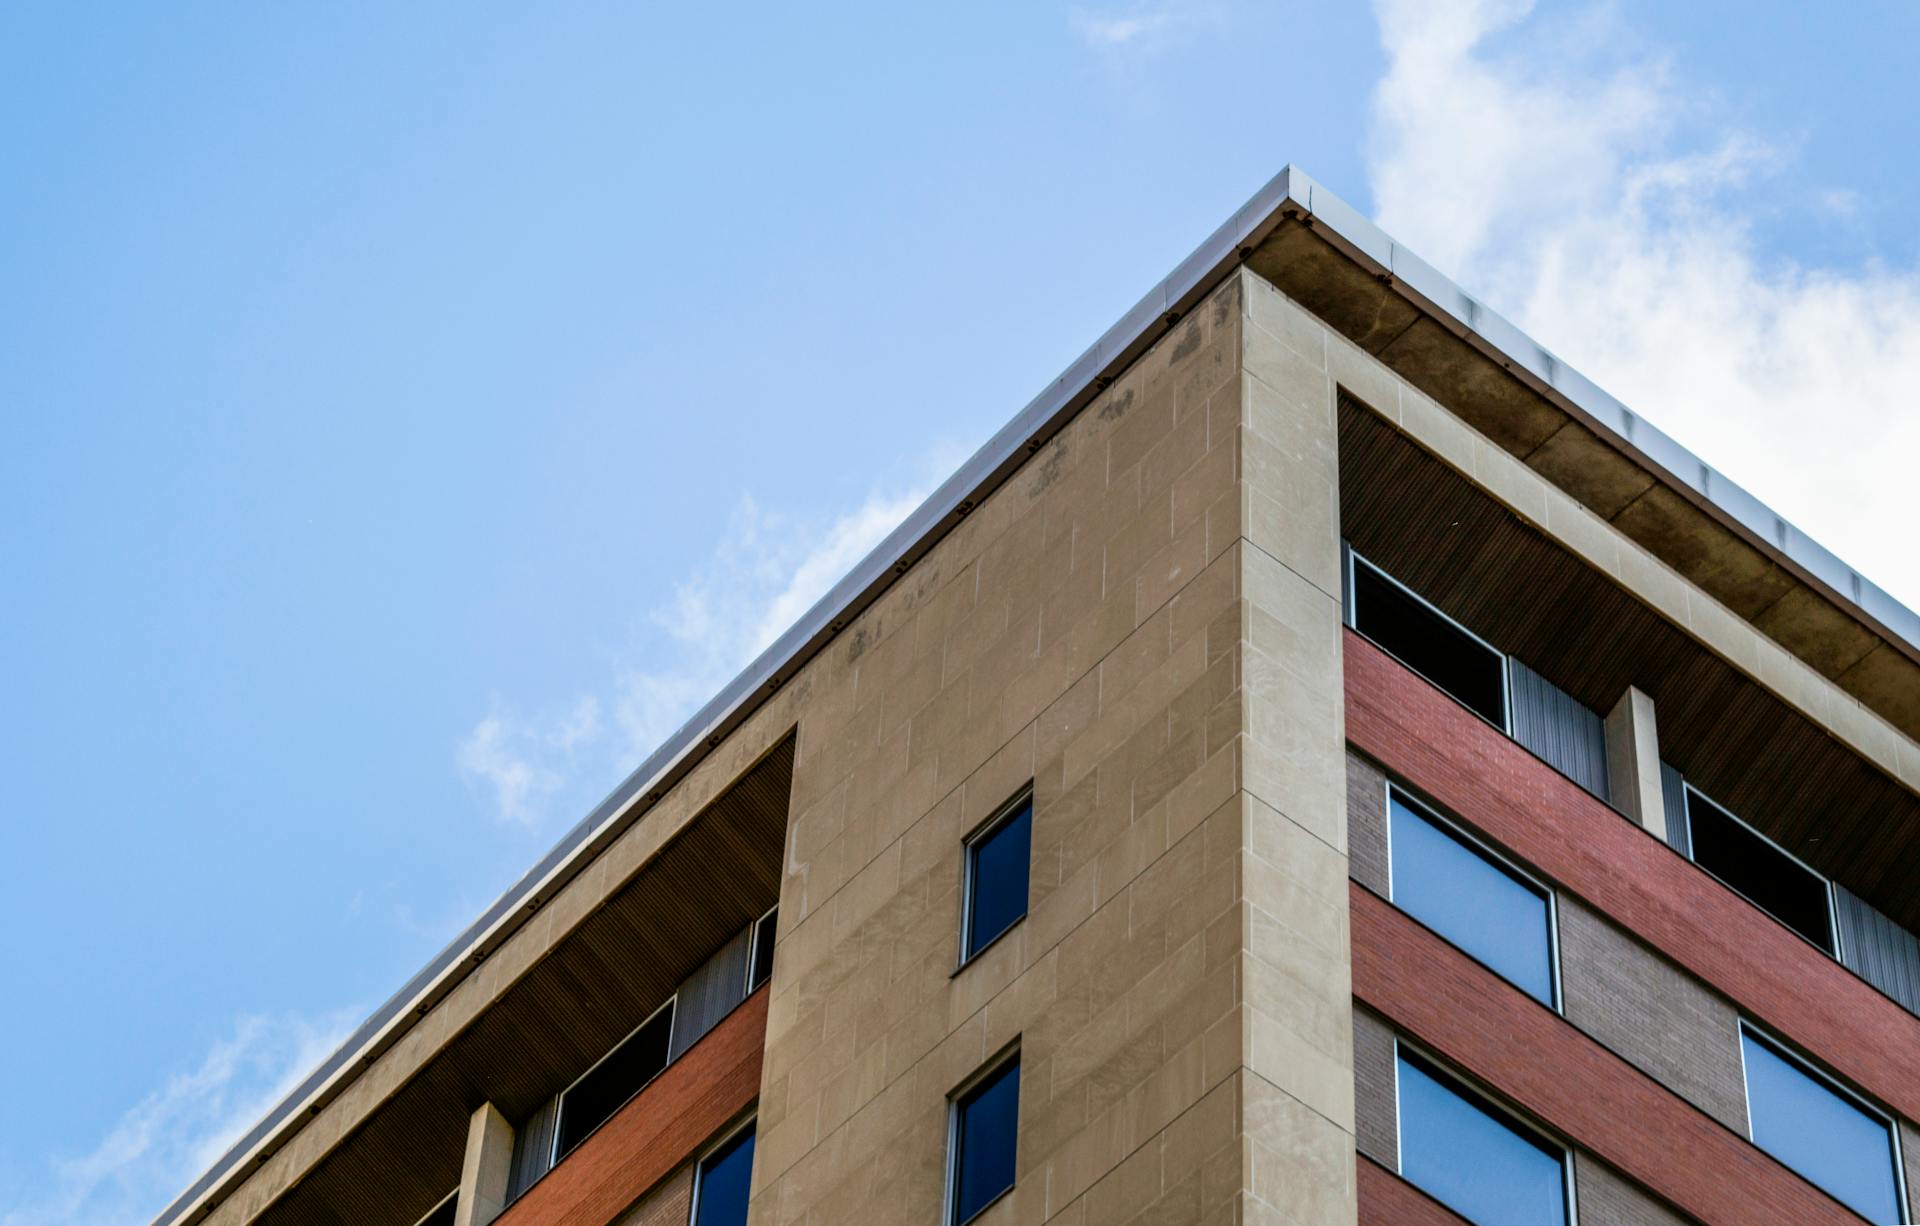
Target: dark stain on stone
[
  {"x": 1187, "y": 344},
  {"x": 1051, "y": 467},
  {"x": 1117, "y": 404},
  {"x": 859, "y": 641}
]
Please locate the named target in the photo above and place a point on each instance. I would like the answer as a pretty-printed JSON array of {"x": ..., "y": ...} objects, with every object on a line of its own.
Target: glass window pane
[
  {"x": 1429, "y": 644},
  {"x": 443, "y": 1215},
  {"x": 984, "y": 1141},
  {"x": 763, "y": 950},
  {"x": 1775, "y": 882},
  {"x": 1471, "y": 901},
  {"x": 1465, "y": 1156},
  {"x": 616, "y": 1079},
  {"x": 1810, "y": 1127},
  {"x": 998, "y": 878},
  {"x": 726, "y": 1177}
]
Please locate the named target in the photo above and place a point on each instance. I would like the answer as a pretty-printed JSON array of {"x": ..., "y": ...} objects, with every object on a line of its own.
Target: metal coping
[{"x": 1289, "y": 192}]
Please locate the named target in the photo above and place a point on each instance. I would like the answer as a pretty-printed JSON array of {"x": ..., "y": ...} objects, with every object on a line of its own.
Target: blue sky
[{"x": 407, "y": 413}]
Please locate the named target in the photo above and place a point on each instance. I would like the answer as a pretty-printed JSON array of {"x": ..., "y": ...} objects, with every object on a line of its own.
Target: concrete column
[
  {"x": 1297, "y": 1082},
  {"x": 484, "y": 1174},
  {"x": 1633, "y": 762}
]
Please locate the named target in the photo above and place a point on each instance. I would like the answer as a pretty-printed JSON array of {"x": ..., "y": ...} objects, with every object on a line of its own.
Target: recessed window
[
  {"x": 1826, "y": 1134},
  {"x": 724, "y": 1181},
  {"x": 1760, "y": 870},
  {"x": 442, "y": 1214},
  {"x": 1461, "y": 891},
  {"x": 761, "y": 967},
  {"x": 997, "y": 859},
  {"x": 1428, "y": 641},
  {"x": 606, "y": 1087},
  {"x": 1474, "y": 1158},
  {"x": 981, "y": 1141}
]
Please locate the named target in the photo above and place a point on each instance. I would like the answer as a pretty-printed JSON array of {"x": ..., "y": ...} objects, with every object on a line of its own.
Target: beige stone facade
[{"x": 1144, "y": 624}]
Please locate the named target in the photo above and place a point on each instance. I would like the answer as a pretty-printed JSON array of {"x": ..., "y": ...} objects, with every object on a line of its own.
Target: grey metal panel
[
  {"x": 710, "y": 993},
  {"x": 533, "y": 1149},
  {"x": 1673, "y": 797},
  {"x": 1878, "y": 950},
  {"x": 1553, "y": 724}
]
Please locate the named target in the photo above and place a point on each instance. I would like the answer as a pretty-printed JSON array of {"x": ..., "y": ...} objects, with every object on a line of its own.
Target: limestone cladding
[{"x": 1144, "y": 625}]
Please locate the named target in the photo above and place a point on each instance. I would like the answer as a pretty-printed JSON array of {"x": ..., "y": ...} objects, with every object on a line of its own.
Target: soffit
[
  {"x": 1750, "y": 567},
  {"x": 618, "y": 965},
  {"x": 1413, "y": 514}
]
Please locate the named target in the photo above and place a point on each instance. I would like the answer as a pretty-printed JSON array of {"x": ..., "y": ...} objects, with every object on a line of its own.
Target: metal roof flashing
[{"x": 1290, "y": 194}]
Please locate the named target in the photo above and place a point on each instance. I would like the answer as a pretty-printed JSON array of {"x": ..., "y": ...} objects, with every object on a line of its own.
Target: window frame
[
  {"x": 1349, "y": 617},
  {"x": 1467, "y": 1088},
  {"x": 720, "y": 1142},
  {"x": 1687, "y": 792},
  {"x": 994, "y": 1065},
  {"x": 753, "y": 950},
  {"x": 969, "y": 858},
  {"x": 438, "y": 1206},
  {"x": 1743, "y": 1027},
  {"x": 560, "y": 1100},
  {"x": 1500, "y": 860}
]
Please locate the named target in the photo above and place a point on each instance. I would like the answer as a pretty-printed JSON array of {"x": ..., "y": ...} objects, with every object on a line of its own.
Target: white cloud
[
  {"x": 1119, "y": 29},
  {"x": 166, "y": 1140},
  {"x": 1583, "y": 188},
  {"x": 766, "y": 570}
]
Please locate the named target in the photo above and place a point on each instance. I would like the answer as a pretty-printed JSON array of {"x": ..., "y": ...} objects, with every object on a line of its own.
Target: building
[{"x": 1323, "y": 762}]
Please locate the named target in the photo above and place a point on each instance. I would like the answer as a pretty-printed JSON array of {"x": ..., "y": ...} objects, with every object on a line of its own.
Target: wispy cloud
[
  {"x": 766, "y": 569},
  {"x": 1122, "y": 28},
  {"x": 1583, "y": 187},
  {"x": 168, "y": 1138}
]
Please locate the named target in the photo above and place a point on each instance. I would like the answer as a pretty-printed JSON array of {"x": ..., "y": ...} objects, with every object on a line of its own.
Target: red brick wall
[
  {"x": 1524, "y": 1052},
  {"x": 1588, "y": 849},
  {"x": 657, "y": 1132},
  {"x": 1388, "y": 1200}
]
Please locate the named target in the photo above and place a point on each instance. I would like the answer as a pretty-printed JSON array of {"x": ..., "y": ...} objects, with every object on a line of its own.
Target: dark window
[
  {"x": 763, "y": 937},
  {"x": 1770, "y": 878},
  {"x": 442, "y": 1213},
  {"x": 1813, "y": 1128},
  {"x": 726, "y": 1177},
  {"x": 1473, "y": 1159},
  {"x": 1471, "y": 899},
  {"x": 1429, "y": 643},
  {"x": 997, "y": 876},
  {"x": 985, "y": 1121},
  {"x": 593, "y": 1098}
]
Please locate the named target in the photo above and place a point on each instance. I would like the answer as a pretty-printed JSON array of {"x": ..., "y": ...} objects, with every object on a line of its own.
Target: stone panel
[{"x": 1081, "y": 631}]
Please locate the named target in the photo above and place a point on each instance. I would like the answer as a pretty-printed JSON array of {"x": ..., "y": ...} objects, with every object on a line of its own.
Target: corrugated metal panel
[
  {"x": 533, "y": 1149},
  {"x": 1673, "y": 798},
  {"x": 1559, "y": 728},
  {"x": 1877, "y": 949},
  {"x": 710, "y": 993}
]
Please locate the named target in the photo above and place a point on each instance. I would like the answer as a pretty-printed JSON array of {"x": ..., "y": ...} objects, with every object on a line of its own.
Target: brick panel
[
  {"x": 1530, "y": 1055},
  {"x": 1635, "y": 880},
  {"x": 670, "y": 1204},
  {"x": 1367, "y": 824},
  {"x": 1375, "y": 1110},
  {"x": 1605, "y": 1199},
  {"x": 660, "y": 1128},
  {"x": 1649, "y": 1011},
  {"x": 1388, "y": 1200}
]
